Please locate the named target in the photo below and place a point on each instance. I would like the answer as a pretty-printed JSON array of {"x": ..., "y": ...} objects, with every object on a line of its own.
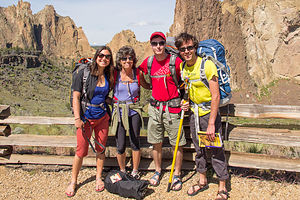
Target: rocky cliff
[
  {"x": 271, "y": 34},
  {"x": 127, "y": 37},
  {"x": 46, "y": 31},
  {"x": 261, "y": 37}
]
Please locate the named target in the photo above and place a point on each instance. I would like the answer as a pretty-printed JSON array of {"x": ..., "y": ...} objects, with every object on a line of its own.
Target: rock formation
[
  {"x": 271, "y": 34},
  {"x": 29, "y": 59},
  {"x": 261, "y": 37},
  {"x": 127, "y": 37},
  {"x": 47, "y": 31}
]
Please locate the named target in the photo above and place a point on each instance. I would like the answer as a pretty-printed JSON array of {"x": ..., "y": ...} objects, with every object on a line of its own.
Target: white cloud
[{"x": 144, "y": 23}]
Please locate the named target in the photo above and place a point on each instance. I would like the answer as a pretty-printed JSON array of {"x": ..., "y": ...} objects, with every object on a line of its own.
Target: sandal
[
  {"x": 99, "y": 187},
  {"x": 201, "y": 187},
  {"x": 157, "y": 180},
  {"x": 136, "y": 175},
  {"x": 176, "y": 181},
  {"x": 73, "y": 186},
  {"x": 221, "y": 194}
]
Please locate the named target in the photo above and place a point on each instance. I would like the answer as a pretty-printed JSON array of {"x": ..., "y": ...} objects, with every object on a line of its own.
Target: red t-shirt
[{"x": 159, "y": 90}]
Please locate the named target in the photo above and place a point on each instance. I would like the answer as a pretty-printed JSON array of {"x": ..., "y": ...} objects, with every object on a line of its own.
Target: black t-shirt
[{"x": 91, "y": 83}]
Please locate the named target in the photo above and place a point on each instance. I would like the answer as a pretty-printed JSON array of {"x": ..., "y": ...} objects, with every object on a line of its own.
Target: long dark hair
[
  {"x": 123, "y": 52},
  {"x": 108, "y": 71}
]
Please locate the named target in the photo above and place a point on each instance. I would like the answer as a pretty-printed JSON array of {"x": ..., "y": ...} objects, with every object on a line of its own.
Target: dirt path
[{"x": 35, "y": 183}]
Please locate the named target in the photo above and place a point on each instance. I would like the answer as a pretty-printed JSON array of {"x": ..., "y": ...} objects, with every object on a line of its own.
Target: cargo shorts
[{"x": 156, "y": 128}]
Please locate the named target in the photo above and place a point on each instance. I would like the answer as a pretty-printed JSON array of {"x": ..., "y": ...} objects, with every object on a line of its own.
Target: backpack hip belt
[
  {"x": 204, "y": 106},
  {"x": 101, "y": 105},
  {"x": 226, "y": 100},
  {"x": 133, "y": 101},
  {"x": 173, "y": 103}
]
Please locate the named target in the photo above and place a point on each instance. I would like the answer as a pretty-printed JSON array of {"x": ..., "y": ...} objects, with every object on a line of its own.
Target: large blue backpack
[{"x": 213, "y": 50}]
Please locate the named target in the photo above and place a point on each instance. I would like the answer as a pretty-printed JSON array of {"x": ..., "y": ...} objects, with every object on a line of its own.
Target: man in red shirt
[{"x": 164, "y": 109}]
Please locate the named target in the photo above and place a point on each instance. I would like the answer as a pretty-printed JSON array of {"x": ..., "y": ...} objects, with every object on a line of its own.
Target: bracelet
[{"x": 77, "y": 118}]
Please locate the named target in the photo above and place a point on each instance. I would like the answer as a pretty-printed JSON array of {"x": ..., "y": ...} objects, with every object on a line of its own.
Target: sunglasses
[
  {"x": 161, "y": 43},
  {"x": 125, "y": 58},
  {"x": 103, "y": 55},
  {"x": 189, "y": 48}
]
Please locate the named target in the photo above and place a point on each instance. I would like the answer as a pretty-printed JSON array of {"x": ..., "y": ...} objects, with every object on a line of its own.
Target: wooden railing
[{"x": 38, "y": 149}]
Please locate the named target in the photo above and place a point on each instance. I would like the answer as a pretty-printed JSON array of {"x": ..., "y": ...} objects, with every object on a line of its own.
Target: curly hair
[
  {"x": 108, "y": 71},
  {"x": 123, "y": 52},
  {"x": 185, "y": 37}
]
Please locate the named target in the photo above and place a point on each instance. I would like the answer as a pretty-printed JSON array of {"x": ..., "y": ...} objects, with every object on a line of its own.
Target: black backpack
[
  {"x": 125, "y": 185},
  {"x": 82, "y": 64}
]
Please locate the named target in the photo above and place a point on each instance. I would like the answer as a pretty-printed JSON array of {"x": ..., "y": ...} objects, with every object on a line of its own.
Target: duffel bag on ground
[{"x": 125, "y": 185}]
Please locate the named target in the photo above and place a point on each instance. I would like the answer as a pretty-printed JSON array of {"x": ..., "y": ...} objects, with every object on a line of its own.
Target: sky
[{"x": 102, "y": 19}]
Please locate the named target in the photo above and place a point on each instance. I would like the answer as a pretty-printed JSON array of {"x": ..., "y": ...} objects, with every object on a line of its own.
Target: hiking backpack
[
  {"x": 213, "y": 50},
  {"x": 82, "y": 64},
  {"x": 173, "y": 51}
]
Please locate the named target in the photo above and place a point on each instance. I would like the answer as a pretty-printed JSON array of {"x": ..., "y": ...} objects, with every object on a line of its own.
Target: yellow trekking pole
[{"x": 185, "y": 97}]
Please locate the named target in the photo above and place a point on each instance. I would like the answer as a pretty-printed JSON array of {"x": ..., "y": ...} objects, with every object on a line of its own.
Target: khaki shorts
[{"x": 156, "y": 128}]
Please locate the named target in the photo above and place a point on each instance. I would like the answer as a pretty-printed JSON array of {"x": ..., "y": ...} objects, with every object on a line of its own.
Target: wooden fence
[{"x": 59, "y": 150}]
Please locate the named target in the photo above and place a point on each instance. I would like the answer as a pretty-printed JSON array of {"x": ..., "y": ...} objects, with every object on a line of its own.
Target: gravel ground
[{"x": 49, "y": 182}]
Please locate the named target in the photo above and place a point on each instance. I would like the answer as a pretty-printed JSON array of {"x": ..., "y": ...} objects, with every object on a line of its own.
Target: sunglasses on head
[
  {"x": 125, "y": 58},
  {"x": 103, "y": 55},
  {"x": 161, "y": 43},
  {"x": 189, "y": 48}
]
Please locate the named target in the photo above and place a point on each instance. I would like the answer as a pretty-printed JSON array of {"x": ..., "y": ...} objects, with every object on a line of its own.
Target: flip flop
[
  {"x": 99, "y": 189},
  {"x": 155, "y": 179},
  {"x": 221, "y": 193},
  {"x": 72, "y": 193},
  {"x": 201, "y": 188},
  {"x": 176, "y": 181}
]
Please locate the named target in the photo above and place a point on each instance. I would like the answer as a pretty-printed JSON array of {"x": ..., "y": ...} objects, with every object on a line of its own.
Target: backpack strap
[
  {"x": 137, "y": 71},
  {"x": 203, "y": 77},
  {"x": 218, "y": 63},
  {"x": 182, "y": 68},
  {"x": 86, "y": 73},
  {"x": 149, "y": 65},
  {"x": 135, "y": 80},
  {"x": 202, "y": 73},
  {"x": 84, "y": 102},
  {"x": 116, "y": 72},
  {"x": 173, "y": 69}
]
